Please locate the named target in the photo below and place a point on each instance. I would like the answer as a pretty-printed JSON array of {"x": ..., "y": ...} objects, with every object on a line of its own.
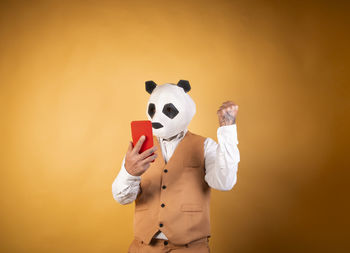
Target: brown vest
[{"x": 174, "y": 196}]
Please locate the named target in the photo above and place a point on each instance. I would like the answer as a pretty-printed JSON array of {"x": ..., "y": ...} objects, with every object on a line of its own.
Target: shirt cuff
[{"x": 228, "y": 132}]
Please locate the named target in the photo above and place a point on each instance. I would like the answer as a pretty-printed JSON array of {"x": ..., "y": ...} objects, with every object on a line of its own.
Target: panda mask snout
[{"x": 156, "y": 125}]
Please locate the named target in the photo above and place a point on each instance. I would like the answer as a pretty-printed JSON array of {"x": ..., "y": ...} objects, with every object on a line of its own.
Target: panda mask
[{"x": 169, "y": 108}]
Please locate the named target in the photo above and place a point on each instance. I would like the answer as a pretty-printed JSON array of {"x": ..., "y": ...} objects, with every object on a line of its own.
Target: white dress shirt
[{"x": 221, "y": 164}]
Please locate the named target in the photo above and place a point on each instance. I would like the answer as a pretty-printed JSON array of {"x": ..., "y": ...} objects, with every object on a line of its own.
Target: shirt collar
[{"x": 179, "y": 136}]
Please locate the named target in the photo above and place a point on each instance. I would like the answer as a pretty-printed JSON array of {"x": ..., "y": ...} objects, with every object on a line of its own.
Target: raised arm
[{"x": 221, "y": 160}]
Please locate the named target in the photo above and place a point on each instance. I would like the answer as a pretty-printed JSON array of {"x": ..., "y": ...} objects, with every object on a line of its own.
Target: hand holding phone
[{"x": 140, "y": 152}]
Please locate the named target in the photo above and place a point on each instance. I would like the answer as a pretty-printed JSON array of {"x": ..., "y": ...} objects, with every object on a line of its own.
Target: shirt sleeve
[
  {"x": 221, "y": 159},
  {"x": 125, "y": 187}
]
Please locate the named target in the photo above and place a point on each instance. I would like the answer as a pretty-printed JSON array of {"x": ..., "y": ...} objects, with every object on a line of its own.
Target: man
[{"x": 172, "y": 194}]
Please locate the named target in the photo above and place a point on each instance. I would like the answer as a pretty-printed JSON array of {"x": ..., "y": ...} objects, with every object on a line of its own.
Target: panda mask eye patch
[
  {"x": 151, "y": 110},
  {"x": 170, "y": 110}
]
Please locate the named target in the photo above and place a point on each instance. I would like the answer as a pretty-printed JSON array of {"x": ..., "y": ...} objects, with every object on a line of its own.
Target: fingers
[
  {"x": 147, "y": 152},
  {"x": 139, "y": 145},
  {"x": 227, "y": 106},
  {"x": 228, "y": 103},
  {"x": 224, "y": 106},
  {"x": 149, "y": 159}
]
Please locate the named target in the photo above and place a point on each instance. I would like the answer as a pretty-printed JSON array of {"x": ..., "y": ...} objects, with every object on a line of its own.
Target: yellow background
[{"x": 72, "y": 78}]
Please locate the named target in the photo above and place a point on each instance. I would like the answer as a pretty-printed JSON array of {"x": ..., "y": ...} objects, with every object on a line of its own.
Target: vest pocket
[{"x": 191, "y": 208}]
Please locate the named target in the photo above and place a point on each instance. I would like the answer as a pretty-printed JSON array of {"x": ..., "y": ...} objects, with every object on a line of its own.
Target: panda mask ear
[
  {"x": 150, "y": 86},
  {"x": 185, "y": 85}
]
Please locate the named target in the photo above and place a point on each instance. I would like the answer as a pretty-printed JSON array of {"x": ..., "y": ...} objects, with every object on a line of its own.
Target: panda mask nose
[{"x": 156, "y": 125}]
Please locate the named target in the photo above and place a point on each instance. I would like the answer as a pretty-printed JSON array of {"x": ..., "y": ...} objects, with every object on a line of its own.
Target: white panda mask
[{"x": 169, "y": 108}]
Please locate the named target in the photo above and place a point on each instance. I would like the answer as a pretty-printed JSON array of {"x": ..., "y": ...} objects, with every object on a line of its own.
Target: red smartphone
[{"x": 139, "y": 128}]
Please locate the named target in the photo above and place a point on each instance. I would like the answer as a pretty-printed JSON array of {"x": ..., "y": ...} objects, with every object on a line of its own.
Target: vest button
[
  {"x": 161, "y": 224},
  {"x": 165, "y": 170},
  {"x": 162, "y": 205},
  {"x": 165, "y": 242},
  {"x": 164, "y": 186}
]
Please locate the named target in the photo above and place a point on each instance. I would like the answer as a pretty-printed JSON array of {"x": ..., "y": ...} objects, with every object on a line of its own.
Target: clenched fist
[
  {"x": 227, "y": 113},
  {"x": 136, "y": 164}
]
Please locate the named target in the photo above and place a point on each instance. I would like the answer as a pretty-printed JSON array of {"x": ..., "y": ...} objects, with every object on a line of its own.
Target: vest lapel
[
  {"x": 177, "y": 149},
  {"x": 160, "y": 159}
]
